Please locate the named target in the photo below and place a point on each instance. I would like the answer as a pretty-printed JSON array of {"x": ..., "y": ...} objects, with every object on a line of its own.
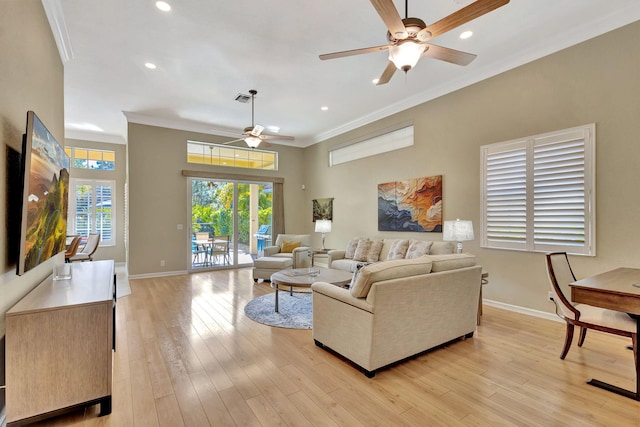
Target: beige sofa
[
  {"x": 397, "y": 309},
  {"x": 363, "y": 249}
]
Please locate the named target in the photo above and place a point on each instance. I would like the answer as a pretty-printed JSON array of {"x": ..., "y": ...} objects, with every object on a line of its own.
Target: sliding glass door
[{"x": 225, "y": 217}]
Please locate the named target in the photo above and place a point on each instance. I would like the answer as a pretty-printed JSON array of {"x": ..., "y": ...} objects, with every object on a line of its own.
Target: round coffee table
[{"x": 301, "y": 279}]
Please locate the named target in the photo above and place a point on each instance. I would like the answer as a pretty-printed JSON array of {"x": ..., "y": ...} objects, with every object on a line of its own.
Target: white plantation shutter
[
  {"x": 82, "y": 217},
  {"x": 506, "y": 196},
  {"x": 538, "y": 193},
  {"x": 104, "y": 223},
  {"x": 92, "y": 209}
]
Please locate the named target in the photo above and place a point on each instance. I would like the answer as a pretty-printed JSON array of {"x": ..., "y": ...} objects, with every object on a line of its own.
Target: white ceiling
[{"x": 208, "y": 51}]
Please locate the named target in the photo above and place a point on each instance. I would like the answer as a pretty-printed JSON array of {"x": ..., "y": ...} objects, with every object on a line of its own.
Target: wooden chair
[
  {"x": 86, "y": 254},
  {"x": 582, "y": 315},
  {"x": 73, "y": 248}
]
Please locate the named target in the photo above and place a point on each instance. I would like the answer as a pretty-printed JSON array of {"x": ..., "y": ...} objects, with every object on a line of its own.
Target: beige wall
[
  {"x": 596, "y": 81},
  {"x": 116, "y": 252},
  {"x": 32, "y": 79},
  {"x": 158, "y": 195}
]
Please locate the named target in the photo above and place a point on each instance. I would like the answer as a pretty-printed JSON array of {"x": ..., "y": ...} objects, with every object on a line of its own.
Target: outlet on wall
[
  {"x": 161, "y": 263},
  {"x": 550, "y": 295}
]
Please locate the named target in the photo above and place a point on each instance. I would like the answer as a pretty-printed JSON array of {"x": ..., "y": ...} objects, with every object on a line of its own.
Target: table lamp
[
  {"x": 459, "y": 231},
  {"x": 323, "y": 226}
]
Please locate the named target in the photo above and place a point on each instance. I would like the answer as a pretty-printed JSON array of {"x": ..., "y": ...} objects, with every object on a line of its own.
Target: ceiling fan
[
  {"x": 253, "y": 135},
  {"x": 408, "y": 37}
]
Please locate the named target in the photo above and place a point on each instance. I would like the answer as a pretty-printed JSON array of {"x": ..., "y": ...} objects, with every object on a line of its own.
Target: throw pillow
[
  {"x": 351, "y": 248},
  {"x": 288, "y": 247},
  {"x": 362, "y": 250},
  {"x": 398, "y": 249},
  {"x": 356, "y": 271},
  {"x": 418, "y": 248},
  {"x": 374, "y": 250}
]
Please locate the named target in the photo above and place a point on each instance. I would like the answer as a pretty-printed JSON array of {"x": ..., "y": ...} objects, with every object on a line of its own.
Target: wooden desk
[{"x": 618, "y": 290}]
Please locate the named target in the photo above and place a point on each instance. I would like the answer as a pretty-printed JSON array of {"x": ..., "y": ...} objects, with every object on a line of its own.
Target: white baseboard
[
  {"x": 159, "y": 274},
  {"x": 522, "y": 310}
]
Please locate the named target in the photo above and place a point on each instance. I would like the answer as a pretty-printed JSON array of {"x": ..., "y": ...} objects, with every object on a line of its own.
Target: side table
[
  {"x": 315, "y": 252},
  {"x": 483, "y": 281}
]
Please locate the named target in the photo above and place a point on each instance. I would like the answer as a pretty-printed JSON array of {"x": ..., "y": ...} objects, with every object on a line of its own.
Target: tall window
[
  {"x": 538, "y": 193},
  {"x": 92, "y": 209}
]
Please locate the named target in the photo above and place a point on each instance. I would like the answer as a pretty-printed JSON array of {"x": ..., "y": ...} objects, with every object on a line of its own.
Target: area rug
[{"x": 295, "y": 311}]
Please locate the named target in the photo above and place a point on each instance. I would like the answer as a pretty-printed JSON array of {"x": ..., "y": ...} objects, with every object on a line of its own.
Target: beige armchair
[{"x": 294, "y": 246}]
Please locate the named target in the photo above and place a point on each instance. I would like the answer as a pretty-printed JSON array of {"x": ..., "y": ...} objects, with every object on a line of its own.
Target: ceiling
[{"x": 207, "y": 52}]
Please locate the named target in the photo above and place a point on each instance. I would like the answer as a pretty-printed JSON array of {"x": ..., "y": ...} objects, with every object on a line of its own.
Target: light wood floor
[{"x": 187, "y": 355}]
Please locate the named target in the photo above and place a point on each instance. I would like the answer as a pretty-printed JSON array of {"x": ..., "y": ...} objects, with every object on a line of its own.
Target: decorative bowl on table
[{"x": 314, "y": 271}]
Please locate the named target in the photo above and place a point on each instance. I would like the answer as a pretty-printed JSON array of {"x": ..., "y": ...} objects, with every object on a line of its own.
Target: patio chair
[{"x": 88, "y": 250}]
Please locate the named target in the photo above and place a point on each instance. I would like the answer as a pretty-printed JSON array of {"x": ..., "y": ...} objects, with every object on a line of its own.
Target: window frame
[
  {"x": 91, "y": 156},
  {"x": 536, "y": 172},
  {"x": 71, "y": 214}
]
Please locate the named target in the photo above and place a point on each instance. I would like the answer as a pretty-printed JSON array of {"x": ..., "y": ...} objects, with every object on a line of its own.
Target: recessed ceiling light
[
  {"x": 466, "y": 34},
  {"x": 375, "y": 81},
  {"x": 163, "y": 6},
  {"x": 274, "y": 129},
  {"x": 150, "y": 65},
  {"x": 325, "y": 108}
]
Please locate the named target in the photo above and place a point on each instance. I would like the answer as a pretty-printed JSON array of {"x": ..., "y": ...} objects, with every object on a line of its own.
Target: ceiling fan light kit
[
  {"x": 253, "y": 135},
  {"x": 408, "y": 37},
  {"x": 405, "y": 55}
]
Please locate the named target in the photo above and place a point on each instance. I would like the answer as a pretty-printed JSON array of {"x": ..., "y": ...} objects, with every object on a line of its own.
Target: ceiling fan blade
[
  {"x": 232, "y": 141},
  {"x": 387, "y": 74},
  {"x": 460, "y": 17},
  {"x": 353, "y": 52},
  {"x": 449, "y": 55},
  {"x": 257, "y": 130},
  {"x": 277, "y": 137},
  {"x": 389, "y": 14}
]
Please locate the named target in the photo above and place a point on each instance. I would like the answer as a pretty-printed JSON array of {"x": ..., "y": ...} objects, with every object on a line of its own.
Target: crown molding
[
  {"x": 94, "y": 136},
  {"x": 55, "y": 15}
]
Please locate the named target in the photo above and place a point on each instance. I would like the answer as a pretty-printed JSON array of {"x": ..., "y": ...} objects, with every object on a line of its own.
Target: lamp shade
[
  {"x": 459, "y": 230},
  {"x": 405, "y": 55},
  {"x": 323, "y": 226},
  {"x": 252, "y": 141}
]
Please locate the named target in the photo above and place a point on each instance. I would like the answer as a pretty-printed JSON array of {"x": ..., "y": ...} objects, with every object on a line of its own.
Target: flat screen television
[{"x": 45, "y": 196}]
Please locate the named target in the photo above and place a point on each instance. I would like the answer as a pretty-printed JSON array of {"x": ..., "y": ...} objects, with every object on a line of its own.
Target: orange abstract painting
[{"x": 411, "y": 205}]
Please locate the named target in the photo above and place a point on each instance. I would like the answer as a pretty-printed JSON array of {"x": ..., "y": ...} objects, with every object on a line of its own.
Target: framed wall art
[
  {"x": 323, "y": 209},
  {"x": 411, "y": 205}
]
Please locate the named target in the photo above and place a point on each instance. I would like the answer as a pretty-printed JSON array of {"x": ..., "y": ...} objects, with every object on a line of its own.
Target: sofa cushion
[
  {"x": 418, "y": 248},
  {"x": 451, "y": 261},
  {"x": 440, "y": 247},
  {"x": 288, "y": 247},
  {"x": 386, "y": 270},
  {"x": 344, "y": 264},
  {"x": 398, "y": 249}
]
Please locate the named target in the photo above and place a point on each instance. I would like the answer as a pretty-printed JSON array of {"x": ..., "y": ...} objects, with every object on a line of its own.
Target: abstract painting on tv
[
  {"x": 411, "y": 205},
  {"x": 45, "y": 196}
]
